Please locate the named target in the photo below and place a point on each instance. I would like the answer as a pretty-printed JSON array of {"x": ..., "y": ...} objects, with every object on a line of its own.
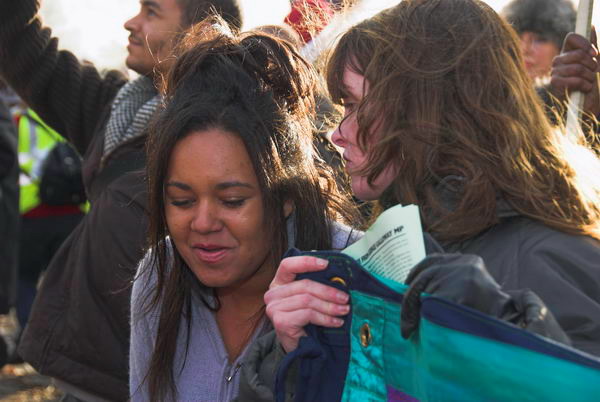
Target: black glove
[
  {"x": 463, "y": 279},
  {"x": 536, "y": 317}
]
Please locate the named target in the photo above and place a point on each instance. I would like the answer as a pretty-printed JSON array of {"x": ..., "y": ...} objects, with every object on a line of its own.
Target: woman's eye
[
  {"x": 181, "y": 203},
  {"x": 234, "y": 203}
]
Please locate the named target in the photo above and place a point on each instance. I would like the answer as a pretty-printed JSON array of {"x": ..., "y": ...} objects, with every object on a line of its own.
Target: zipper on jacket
[
  {"x": 233, "y": 372},
  {"x": 226, "y": 391}
]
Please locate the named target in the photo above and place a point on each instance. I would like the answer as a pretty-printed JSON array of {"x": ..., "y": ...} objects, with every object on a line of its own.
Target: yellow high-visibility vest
[{"x": 36, "y": 139}]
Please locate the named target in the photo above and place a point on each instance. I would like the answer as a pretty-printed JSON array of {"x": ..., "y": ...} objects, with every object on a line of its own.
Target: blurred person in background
[
  {"x": 309, "y": 17},
  {"x": 9, "y": 221},
  {"x": 51, "y": 203},
  {"x": 556, "y": 61},
  {"x": 78, "y": 330},
  {"x": 542, "y": 26}
]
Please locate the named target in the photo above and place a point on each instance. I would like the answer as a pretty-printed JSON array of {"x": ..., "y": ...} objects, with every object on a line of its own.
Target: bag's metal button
[
  {"x": 338, "y": 280},
  {"x": 365, "y": 335}
]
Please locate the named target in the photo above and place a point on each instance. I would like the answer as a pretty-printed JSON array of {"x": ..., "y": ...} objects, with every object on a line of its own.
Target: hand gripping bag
[{"x": 457, "y": 354}]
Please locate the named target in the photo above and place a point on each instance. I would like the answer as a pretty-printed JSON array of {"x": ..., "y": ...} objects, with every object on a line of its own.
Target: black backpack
[{"x": 61, "y": 182}]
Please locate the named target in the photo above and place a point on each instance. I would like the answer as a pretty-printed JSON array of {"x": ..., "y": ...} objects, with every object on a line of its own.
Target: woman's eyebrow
[
  {"x": 220, "y": 186},
  {"x": 229, "y": 184},
  {"x": 179, "y": 185}
]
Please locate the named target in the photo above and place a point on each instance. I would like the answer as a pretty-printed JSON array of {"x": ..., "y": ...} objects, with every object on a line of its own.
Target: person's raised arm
[{"x": 68, "y": 95}]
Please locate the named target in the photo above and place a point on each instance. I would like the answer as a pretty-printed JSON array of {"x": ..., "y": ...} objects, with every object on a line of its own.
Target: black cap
[{"x": 553, "y": 19}]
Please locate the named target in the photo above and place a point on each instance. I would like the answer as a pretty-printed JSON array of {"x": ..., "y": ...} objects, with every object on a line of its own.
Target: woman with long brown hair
[
  {"x": 439, "y": 112},
  {"x": 233, "y": 182}
]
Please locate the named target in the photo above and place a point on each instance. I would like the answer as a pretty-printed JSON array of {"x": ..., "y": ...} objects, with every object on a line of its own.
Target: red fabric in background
[
  {"x": 44, "y": 210},
  {"x": 309, "y": 17}
]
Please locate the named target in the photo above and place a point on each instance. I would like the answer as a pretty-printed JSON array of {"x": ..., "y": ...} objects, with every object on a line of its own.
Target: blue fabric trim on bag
[{"x": 465, "y": 319}]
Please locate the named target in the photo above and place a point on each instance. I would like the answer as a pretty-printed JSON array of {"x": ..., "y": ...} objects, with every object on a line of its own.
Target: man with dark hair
[
  {"x": 542, "y": 26},
  {"x": 78, "y": 331}
]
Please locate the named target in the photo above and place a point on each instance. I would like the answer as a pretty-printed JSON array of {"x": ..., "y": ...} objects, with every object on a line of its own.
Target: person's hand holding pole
[
  {"x": 583, "y": 26},
  {"x": 576, "y": 69}
]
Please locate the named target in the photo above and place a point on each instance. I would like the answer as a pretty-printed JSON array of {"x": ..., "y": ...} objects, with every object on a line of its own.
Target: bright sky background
[{"x": 93, "y": 29}]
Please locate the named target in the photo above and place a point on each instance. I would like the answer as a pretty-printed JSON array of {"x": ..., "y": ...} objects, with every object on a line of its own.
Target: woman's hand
[{"x": 293, "y": 304}]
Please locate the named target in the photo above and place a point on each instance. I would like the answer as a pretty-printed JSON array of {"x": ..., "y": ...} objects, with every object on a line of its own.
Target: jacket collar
[{"x": 449, "y": 192}]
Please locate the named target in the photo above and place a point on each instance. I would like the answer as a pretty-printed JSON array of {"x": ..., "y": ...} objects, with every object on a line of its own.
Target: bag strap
[{"x": 126, "y": 163}]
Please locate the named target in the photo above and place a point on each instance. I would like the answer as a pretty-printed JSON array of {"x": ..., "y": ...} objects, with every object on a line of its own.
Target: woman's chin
[
  {"x": 210, "y": 277},
  {"x": 364, "y": 192}
]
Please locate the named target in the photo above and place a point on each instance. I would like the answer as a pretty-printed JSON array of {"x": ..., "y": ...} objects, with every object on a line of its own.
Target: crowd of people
[{"x": 202, "y": 171}]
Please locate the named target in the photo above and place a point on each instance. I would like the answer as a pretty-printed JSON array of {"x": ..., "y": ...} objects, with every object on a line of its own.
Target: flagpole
[{"x": 583, "y": 27}]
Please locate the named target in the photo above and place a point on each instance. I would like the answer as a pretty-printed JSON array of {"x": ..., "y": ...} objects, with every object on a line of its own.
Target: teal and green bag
[{"x": 458, "y": 354}]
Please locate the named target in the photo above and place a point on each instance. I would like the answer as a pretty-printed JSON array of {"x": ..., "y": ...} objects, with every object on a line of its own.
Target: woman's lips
[
  {"x": 211, "y": 255},
  {"x": 349, "y": 165}
]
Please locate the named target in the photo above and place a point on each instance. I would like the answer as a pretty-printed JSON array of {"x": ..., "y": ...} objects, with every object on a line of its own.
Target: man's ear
[{"x": 288, "y": 208}]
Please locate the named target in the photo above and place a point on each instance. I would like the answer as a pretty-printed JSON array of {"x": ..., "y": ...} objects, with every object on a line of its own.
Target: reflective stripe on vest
[{"x": 35, "y": 141}]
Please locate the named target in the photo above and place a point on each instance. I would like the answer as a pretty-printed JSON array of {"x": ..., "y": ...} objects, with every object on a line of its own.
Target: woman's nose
[
  {"x": 526, "y": 45},
  {"x": 337, "y": 138},
  {"x": 205, "y": 219}
]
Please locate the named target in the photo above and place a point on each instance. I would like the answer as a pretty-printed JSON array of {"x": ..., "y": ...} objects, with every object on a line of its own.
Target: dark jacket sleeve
[
  {"x": 9, "y": 210},
  {"x": 257, "y": 381},
  {"x": 8, "y": 142},
  {"x": 564, "y": 271},
  {"x": 69, "y": 96}
]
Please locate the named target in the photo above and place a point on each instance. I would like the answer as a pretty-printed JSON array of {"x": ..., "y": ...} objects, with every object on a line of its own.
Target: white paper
[{"x": 392, "y": 245}]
